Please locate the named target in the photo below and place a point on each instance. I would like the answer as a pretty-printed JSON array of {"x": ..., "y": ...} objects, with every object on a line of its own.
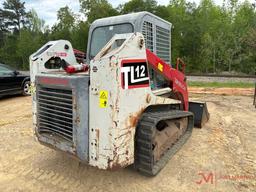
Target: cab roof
[{"x": 129, "y": 18}]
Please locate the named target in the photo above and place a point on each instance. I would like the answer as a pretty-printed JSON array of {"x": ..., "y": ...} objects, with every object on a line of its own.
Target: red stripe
[
  {"x": 138, "y": 86},
  {"x": 52, "y": 81}
]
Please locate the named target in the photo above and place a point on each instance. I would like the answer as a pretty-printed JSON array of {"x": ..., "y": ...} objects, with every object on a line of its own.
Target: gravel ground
[
  {"x": 224, "y": 152},
  {"x": 220, "y": 79}
]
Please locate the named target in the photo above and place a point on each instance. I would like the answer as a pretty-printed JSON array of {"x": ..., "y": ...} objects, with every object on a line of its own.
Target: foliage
[
  {"x": 66, "y": 23},
  {"x": 96, "y": 9},
  {"x": 13, "y": 15},
  {"x": 35, "y": 23},
  {"x": 208, "y": 37},
  {"x": 139, "y": 5}
]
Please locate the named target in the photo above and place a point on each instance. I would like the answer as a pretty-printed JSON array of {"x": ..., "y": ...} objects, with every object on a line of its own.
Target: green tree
[
  {"x": 210, "y": 38},
  {"x": 34, "y": 33},
  {"x": 66, "y": 19},
  {"x": 2, "y": 30},
  {"x": 69, "y": 27},
  {"x": 182, "y": 31},
  {"x": 13, "y": 15},
  {"x": 244, "y": 25},
  {"x": 25, "y": 49},
  {"x": 8, "y": 51},
  {"x": 80, "y": 35},
  {"x": 66, "y": 23},
  {"x": 211, "y": 23},
  {"x": 207, "y": 46},
  {"x": 35, "y": 23},
  {"x": 249, "y": 53},
  {"x": 162, "y": 12},
  {"x": 96, "y": 9},
  {"x": 139, "y": 5}
]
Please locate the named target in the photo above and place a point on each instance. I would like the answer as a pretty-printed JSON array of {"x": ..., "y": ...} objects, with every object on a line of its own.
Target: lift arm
[{"x": 176, "y": 78}]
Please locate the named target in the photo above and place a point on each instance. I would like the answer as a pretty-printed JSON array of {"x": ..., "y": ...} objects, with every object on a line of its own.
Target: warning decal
[
  {"x": 160, "y": 67},
  {"x": 103, "y": 99}
]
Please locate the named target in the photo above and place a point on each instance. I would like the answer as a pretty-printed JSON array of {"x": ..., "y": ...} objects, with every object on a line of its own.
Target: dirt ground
[
  {"x": 219, "y": 157},
  {"x": 222, "y": 91}
]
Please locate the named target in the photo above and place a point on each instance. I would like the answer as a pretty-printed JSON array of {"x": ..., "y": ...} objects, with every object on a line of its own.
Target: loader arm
[{"x": 176, "y": 78}]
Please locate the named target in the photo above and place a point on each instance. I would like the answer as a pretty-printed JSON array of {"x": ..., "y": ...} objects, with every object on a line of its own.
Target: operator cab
[{"x": 156, "y": 32}]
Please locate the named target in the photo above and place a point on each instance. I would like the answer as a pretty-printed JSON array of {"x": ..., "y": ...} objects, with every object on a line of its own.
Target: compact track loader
[{"x": 127, "y": 105}]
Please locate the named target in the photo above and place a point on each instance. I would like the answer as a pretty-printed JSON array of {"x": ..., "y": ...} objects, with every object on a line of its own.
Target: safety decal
[
  {"x": 160, "y": 67},
  {"x": 103, "y": 99},
  {"x": 32, "y": 89},
  {"x": 134, "y": 74}
]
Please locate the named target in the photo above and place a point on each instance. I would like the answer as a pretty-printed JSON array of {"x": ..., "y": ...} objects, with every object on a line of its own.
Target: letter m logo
[{"x": 205, "y": 178}]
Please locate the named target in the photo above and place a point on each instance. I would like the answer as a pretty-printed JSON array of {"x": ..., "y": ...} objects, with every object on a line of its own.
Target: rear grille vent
[
  {"x": 55, "y": 116},
  {"x": 147, "y": 32},
  {"x": 162, "y": 43}
]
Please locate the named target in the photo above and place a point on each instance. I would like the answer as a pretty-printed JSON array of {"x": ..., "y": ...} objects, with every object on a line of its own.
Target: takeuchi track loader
[{"x": 126, "y": 105}]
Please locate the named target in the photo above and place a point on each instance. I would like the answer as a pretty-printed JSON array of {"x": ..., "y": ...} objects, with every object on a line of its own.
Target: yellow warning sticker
[
  {"x": 103, "y": 99},
  {"x": 160, "y": 67}
]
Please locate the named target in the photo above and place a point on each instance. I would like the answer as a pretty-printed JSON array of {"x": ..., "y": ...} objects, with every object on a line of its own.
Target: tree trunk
[
  {"x": 229, "y": 66},
  {"x": 214, "y": 60}
]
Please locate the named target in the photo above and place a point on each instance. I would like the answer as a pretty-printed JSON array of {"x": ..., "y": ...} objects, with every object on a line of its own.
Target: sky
[{"x": 47, "y": 9}]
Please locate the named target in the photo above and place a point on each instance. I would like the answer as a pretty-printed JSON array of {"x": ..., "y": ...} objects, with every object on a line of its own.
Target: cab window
[{"x": 101, "y": 35}]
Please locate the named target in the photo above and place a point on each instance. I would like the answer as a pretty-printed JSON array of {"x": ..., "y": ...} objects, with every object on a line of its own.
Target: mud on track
[{"x": 226, "y": 146}]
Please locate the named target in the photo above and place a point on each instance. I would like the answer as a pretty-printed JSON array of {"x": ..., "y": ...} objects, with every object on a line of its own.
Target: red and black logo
[{"x": 134, "y": 74}]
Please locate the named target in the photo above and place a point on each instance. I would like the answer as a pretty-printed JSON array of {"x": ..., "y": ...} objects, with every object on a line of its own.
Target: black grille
[
  {"x": 147, "y": 32},
  {"x": 55, "y": 115},
  {"x": 163, "y": 43}
]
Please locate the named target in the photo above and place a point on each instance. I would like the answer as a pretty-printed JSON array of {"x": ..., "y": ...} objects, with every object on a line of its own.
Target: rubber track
[{"x": 144, "y": 138}]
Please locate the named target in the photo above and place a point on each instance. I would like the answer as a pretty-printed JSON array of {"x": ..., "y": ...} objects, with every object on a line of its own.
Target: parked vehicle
[{"x": 13, "y": 82}]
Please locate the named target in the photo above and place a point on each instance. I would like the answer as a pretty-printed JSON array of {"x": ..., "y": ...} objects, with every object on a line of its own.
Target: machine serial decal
[
  {"x": 134, "y": 74},
  {"x": 103, "y": 99}
]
